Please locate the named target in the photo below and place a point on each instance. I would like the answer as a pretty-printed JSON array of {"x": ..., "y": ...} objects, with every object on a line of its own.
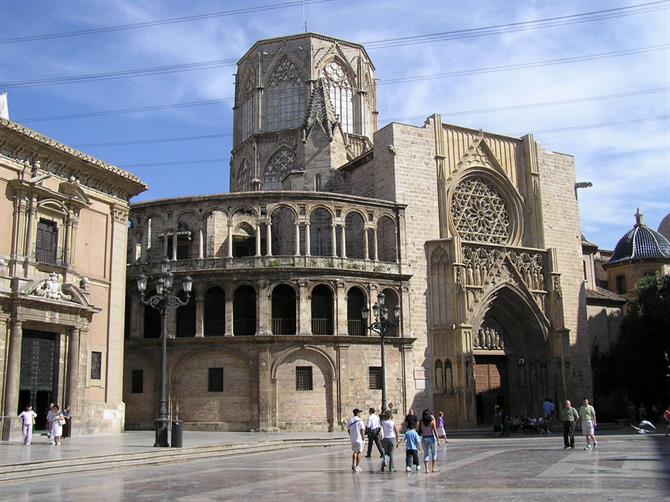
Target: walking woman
[
  {"x": 389, "y": 441},
  {"x": 429, "y": 439}
]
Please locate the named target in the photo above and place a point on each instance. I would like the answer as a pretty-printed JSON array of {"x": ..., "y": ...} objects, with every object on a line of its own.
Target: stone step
[{"x": 51, "y": 467}]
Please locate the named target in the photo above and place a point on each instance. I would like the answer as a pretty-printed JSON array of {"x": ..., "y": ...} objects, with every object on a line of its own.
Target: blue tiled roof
[{"x": 641, "y": 243}]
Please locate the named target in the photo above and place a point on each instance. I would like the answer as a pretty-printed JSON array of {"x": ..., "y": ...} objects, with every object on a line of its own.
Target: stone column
[
  {"x": 263, "y": 308},
  {"x": 375, "y": 246},
  {"x": 297, "y": 239},
  {"x": 201, "y": 244},
  {"x": 268, "y": 238},
  {"x": 32, "y": 212},
  {"x": 264, "y": 390},
  {"x": 12, "y": 379},
  {"x": 258, "y": 239},
  {"x": 308, "y": 250},
  {"x": 342, "y": 327},
  {"x": 73, "y": 358},
  {"x": 67, "y": 242},
  {"x": 333, "y": 238},
  {"x": 344, "y": 241},
  {"x": 366, "y": 245},
  {"x": 304, "y": 317},
  {"x": 199, "y": 298},
  {"x": 166, "y": 236},
  {"x": 230, "y": 239},
  {"x": 175, "y": 242},
  {"x": 229, "y": 330}
]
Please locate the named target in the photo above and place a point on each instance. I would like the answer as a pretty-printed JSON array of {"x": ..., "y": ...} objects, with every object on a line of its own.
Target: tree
[{"x": 637, "y": 363}]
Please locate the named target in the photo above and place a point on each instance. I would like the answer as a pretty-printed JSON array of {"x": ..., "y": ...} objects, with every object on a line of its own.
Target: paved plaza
[{"x": 624, "y": 467}]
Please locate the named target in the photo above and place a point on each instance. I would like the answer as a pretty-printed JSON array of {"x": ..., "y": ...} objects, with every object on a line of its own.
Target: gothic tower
[{"x": 305, "y": 105}]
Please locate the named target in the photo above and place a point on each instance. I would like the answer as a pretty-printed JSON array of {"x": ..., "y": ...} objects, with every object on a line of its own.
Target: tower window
[
  {"x": 339, "y": 88},
  {"x": 284, "y": 97}
]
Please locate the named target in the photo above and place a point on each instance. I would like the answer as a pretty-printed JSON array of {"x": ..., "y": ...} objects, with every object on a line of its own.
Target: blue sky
[{"x": 616, "y": 125}]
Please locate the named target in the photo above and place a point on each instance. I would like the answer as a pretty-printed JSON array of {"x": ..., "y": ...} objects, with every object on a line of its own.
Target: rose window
[{"x": 479, "y": 212}]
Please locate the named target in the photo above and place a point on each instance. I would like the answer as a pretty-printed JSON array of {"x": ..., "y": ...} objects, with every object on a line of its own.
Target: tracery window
[
  {"x": 341, "y": 96},
  {"x": 479, "y": 212},
  {"x": 284, "y": 97},
  {"x": 280, "y": 164}
]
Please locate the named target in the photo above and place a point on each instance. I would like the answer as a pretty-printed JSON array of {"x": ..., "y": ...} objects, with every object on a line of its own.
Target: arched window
[
  {"x": 448, "y": 376},
  {"x": 386, "y": 239},
  {"x": 284, "y": 97},
  {"x": 355, "y": 235},
  {"x": 279, "y": 165},
  {"x": 283, "y": 310},
  {"x": 246, "y": 98},
  {"x": 439, "y": 381},
  {"x": 356, "y": 302},
  {"x": 185, "y": 318},
  {"x": 321, "y": 223},
  {"x": 215, "y": 311},
  {"x": 283, "y": 232},
  {"x": 244, "y": 311},
  {"x": 339, "y": 88},
  {"x": 322, "y": 310}
]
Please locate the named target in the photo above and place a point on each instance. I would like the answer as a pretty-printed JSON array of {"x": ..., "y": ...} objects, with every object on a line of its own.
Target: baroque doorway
[{"x": 39, "y": 372}]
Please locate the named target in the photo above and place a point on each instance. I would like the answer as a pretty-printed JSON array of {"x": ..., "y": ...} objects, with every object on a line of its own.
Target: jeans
[
  {"x": 429, "y": 449},
  {"x": 373, "y": 437},
  {"x": 412, "y": 458},
  {"x": 389, "y": 445},
  {"x": 569, "y": 434}
]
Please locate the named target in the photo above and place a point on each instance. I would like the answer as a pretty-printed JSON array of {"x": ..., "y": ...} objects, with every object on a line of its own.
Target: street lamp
[
  {"x": 382, "y": 326},
  {"x": 163, "y": 301}
]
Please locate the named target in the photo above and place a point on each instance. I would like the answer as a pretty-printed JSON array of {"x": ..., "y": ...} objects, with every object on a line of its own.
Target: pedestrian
[
  {"x": 569, "y": 417},
  {"x": 441, "y": 433},
  {"x": 389, "y": 440},
  {"x": 412, "y": 441},
  {"x": 429, "y": 440},
  {"x": 587, "y": 416},
  {"x": 27, "y": 420},
  {"x": 411, "y": 420},
  {"x": 548, "y": 409},
  {"x": 666, "y": 416},
  {"x": 373, "y": 430},
  {"x": 50, "y": 416},
  {"x": 58, "y": 420},
  {"x": 356, "y": 429}
]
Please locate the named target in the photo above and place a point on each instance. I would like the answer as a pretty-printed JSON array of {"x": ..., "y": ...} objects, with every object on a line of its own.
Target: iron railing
[
  {"x": 283, "y": 326},
  {"x": 322, "y": 326}
]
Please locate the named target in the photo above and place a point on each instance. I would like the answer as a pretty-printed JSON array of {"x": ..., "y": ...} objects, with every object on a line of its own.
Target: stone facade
[
  {"x": 475, "y": 235},
  {"x": 63, "y": 231}
]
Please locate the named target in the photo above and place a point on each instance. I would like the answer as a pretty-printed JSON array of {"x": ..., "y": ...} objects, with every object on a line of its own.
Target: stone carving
[
  {"x": 52, "y": 289},
  {"x": 285, "y": 73},
  {"x": 479, "y": 212},
  {"x": 243, "y": 177},
  {"x": 485, "y": 265},
  {"x": 280, "y": 164},
  {"x": 490, "y": 337}
]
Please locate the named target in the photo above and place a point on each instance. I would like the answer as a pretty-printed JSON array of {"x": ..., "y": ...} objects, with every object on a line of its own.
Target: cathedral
[{"x": 470, "y": 240}]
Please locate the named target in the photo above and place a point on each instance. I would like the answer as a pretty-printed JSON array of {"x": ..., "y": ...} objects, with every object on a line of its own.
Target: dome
[
  {"x": 640, "y": 243},
  {"x": 664, "y": 227}
]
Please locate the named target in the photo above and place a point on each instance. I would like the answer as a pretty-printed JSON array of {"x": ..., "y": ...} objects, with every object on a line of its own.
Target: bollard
[{"x": 177, "y": 433}]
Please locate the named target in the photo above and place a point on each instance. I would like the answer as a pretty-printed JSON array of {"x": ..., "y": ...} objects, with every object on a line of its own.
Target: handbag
[{"x": 61, "y": 420}]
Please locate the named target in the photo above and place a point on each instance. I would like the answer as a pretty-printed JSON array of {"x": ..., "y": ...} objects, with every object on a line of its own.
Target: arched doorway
[
  {"x": 215, "y": 311},
  {"x": 510, "y": 357},
  {"x": 322, "y": 310},
  {"x": 283, "y": 310},
  {"x": 244, "y": 311}
]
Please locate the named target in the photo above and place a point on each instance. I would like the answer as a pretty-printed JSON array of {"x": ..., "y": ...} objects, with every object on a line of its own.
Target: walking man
[
  {"x": 28, "y": 420},
  {"x": 373, "y": 433},
  {"x": 356, "y": 428},
  {"x": 587, "y": 416},
  {"x": 569, "y": 416}
]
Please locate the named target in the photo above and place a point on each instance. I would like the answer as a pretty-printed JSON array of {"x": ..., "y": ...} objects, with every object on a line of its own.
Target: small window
[
  {"x": 96, "y": 365},
  {"x": 620, "y": 283},
  {"x": 215, "y": 380},
  {"x": 375, "y": 373},
  {"x": 137, "y": 382},
  {"x": 46, "y": 244},
  {"x": 317, "y": 182},
  {"x": 303, "y": 378}
]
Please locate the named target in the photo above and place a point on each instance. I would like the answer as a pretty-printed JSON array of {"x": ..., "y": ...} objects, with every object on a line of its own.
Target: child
[
  {"x": 412, "y": 441},
  {"x": 441, "y": 433}
]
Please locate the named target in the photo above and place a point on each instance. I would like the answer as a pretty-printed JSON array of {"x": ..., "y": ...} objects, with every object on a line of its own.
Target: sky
[{"x": 597, "y": 89}]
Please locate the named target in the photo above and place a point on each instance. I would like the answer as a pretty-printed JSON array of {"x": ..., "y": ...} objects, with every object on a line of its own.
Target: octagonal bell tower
[{"x": 304, "y": 106}]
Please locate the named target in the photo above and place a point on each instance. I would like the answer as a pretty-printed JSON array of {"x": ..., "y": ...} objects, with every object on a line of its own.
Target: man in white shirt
[
  {"x": 373, "y": 433},
  {"x": 27, "y": 420},
  {"x": 356, "y": 429}
]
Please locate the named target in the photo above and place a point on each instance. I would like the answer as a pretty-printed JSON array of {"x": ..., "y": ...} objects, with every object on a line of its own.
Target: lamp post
[
  {"x": 163, "y": 301},
  {"x": 382, "y": 326}
]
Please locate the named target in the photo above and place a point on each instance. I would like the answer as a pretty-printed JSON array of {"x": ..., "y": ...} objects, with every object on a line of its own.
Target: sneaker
[
  {"x": 353, "y": 467},
  {"x": 408, "y": 469},
  {"x": 566, "y": 447},
  {"x": 383, "y": 466},
  {"x": 595, "y": 444},
  {"x": 358, "y": 469},
  {"x": 418, "y": 468},
  {"x": 587, "y": 447}
]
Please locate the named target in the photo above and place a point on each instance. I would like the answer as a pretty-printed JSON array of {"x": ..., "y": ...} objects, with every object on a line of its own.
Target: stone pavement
[{"x": 624, "y": 467}]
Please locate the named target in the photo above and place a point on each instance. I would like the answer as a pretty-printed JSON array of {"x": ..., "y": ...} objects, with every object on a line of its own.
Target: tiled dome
[{"x": 640, "y": 243}]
